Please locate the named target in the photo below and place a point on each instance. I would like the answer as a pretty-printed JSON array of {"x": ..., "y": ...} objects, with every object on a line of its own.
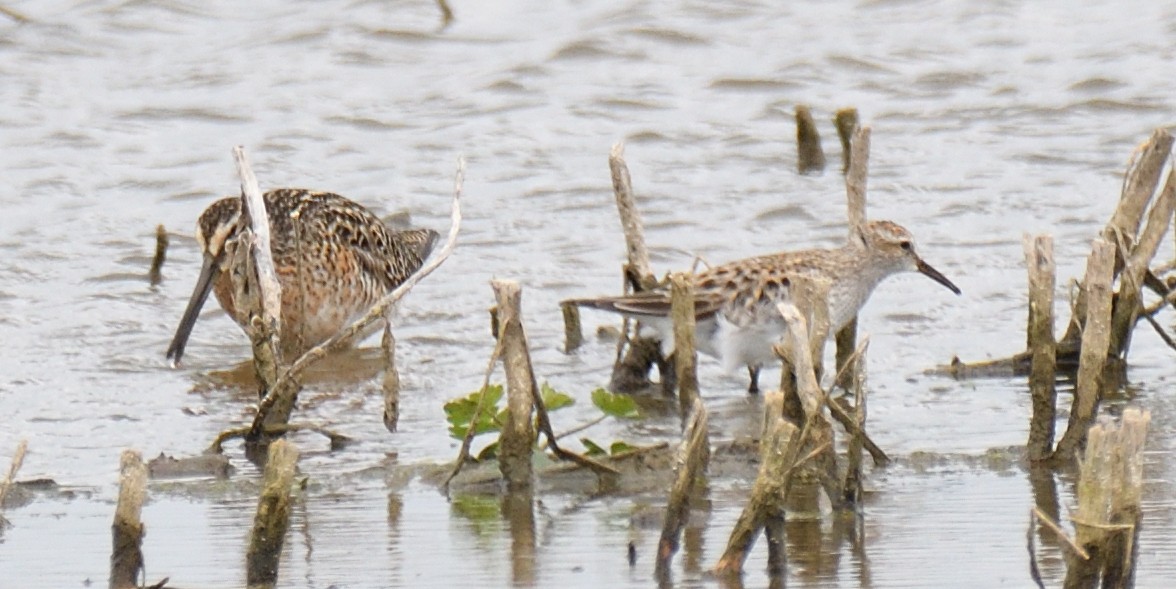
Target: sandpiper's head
[
  {"x": 214, "y": 230},
  {"x": 891, "y": 245}
]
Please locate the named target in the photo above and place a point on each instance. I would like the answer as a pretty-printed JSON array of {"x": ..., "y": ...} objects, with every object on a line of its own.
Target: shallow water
[{"x": 989, "y": 120}]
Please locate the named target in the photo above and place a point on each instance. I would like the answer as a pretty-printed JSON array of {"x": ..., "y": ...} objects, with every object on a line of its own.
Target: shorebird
[
  {"x": 333, "y": 257},
  {"x": 735, "y": 304}
]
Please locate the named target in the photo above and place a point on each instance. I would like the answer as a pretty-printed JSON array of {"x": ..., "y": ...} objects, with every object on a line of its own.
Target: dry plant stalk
[
  {"x": 693, "y": 456},
  {"x": 856, "y": 144},
  {"x": 517, "y": 438},
  {"x": 1096, "y": 337},
  {"x": 779, "y": 450},
  {"x": 391, "y": 384},
  {"x": 10, "y": 478},
  {"x": 810, "y": 158},
  {"x": 14, "y": 15},
  {"x": 126, "y": 558},
  {"x": 155, "y": 274},
  {"x": 1041, "y": 344},
  {"x": 852, "y": 488},
  {"x": 284, "y": 391},
  {"x": 573, "y": 329},
  {"x": 273, "y": 515},
  {"x": 685, "y": 356},
  {"x": 846, "y": 122},
  {"x": 1108, "y": 517}
]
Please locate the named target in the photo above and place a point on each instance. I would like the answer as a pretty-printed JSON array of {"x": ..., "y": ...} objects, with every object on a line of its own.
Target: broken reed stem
[
  {"x": 630, "y": 218},
  {"x": 253, "y": 210},
  {"x": 1041, "y": 344},
  {"x": 1139, "y": 185},
  {"x": 10, "y": 479},
  {"x": 1108, "y": 517},
  {"x": 852, "y": 488},
  {"x": 463, "y": 454},
  {"x": 779, "y": 447},
  {"x": 855, "y": 178},
  {"x": 685, "y": 356},
  {"x": 391, "y": 384},
  {"x": 1045, "y": 520},
  {"x": 846, "y": 121},
  {"x": 517, "y": 438},
  {"x": 810, "y": 158},
  {"x": 693, "y": 456},
  {"x": 844, "y": 345},
  {"x": 1096, "y": 338},
  {"x": 446, "y": 13},
  {"x": 155, "y": 274},
  {"x": 1130, "y": 299},
  {"x": 273, "y": 515},
  {"x": 376, "y": 313},
  {"x": 851, "y": 424},
  {"x": 14, "y": 15},
  {"x": 573, "y": 330},
  {"x": 126, "y": 557}
]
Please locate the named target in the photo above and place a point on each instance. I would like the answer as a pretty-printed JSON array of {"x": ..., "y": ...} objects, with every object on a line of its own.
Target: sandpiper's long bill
[
  {"x": 333, "y": 257},
  {"x": 735, "y": 304}
]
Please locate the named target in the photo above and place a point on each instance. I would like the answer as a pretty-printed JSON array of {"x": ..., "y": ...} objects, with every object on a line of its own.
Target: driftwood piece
[
  {"x": 1107, "y": 520},
  {"x": 391, "y": 383},
  {"x": 517, "y": 439},
  {"x": 376, "y": 313},
  {"x": 692, "y": 463},
  {"x": 1040, "y": 261},
  {"x": 846, "y": 122},
  {"x": 810, "y": 158},
  {"x": 273, "y": 516},
  {"x": 126, "y": 558},
  {"x": 685, "y": 356},
  {"x": 1096, "y": 337},
  {"x": 779, "y": 449}
]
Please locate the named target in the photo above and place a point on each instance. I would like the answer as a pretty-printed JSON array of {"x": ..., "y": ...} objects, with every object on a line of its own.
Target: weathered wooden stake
[
  {"x": 810, "y": 158},
  {"x": 1039, "y": 258},
  {"x": 693, "y": 456},
  {"x": 126, "y": 559},
  {"x": 273, "y": 516},
  {"x": 517, "y": 440},
  {"x": 391, "y": 384},
  {"x": 1096, "y": 337},
  {"x": 685, "y": 356},
  {"x": 1107, "y": 521}
]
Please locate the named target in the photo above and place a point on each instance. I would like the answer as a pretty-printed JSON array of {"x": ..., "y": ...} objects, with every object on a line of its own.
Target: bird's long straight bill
[
  {"x": 935, "y": 275},
  {"x": 208, "y": 273}
]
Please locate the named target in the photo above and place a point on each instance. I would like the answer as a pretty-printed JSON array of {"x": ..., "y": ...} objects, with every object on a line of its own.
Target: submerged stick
[
  {"x": 779, "y": 449},
  {"x": 1108, "y": 516},
  {"x": 517, "y": 438},
  {"x": 846, "y": 121},
  {"x": 155, "y": 274},
  {"x": 685, "y": 356},
  {"x": 376, "y": 313},
  {"x": 693, "y": 457},
  {"x": 810, "y": 158},
  {"x": 391, "y": 384},
  {"x": 126, "y": 558},
  {"x": 273, "y": 516},
  {"x": 1041, "y": 343},
  {"x": 1096, "y": 337}
]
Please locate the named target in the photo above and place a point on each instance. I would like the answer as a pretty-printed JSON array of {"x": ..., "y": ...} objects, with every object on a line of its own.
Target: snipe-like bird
[{"x": 333, "y": 257}]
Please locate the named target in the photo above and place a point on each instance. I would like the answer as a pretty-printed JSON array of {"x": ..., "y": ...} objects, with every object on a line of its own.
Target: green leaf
[
  {"x": 619, "y": 447},
  {"x": 616, "y": 405},
  {"x": 553, "y": 399},
  {"x": 460, "y": 412},
  {"x": 592, "y": 448}
]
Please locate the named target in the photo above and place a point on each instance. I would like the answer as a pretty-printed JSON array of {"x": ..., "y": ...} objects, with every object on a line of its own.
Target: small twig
[
  {"x": 1160, "y": 330},
  {"x": 377, "y": 311},
  {"x": 1053, "y": 526},
  {"x": 582, "y": 427},
  {"x": 463, "y": 455},
  {"x": 14, "y": 15},
  {"x": 217, "y": 445},
  {"x": 845, "y": 419},
  {"x": 446, "y": 13}
]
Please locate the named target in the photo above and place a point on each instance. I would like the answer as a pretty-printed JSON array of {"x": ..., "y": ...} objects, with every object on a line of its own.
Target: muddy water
[{"x": 990, "y": 120}]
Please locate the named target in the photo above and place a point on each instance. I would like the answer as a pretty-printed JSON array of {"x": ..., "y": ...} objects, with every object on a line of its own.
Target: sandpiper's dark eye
[{"x": 906, "y": 245}]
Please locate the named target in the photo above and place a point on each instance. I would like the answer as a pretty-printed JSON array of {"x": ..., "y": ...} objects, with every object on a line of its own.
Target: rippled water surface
[{"x": 989, "y": 119}]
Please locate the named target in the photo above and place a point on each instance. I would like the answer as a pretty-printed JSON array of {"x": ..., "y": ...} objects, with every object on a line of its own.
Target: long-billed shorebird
[
  {"x": 333, "y": 257},
  {"x": 735, "y": 304}
]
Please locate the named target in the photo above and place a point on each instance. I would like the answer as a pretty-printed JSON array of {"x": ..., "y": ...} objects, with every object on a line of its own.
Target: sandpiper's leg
[{"x": 753, "y": 371}]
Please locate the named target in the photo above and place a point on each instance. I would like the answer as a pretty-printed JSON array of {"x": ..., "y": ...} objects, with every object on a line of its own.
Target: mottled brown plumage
[{"x": 333, "y": 258}]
